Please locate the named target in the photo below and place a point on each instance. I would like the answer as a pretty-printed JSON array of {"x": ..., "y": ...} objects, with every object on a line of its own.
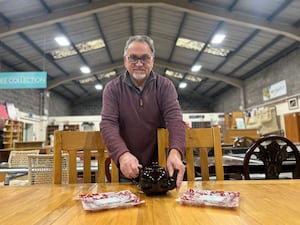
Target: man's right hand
[{"x": 129, "y": 165}]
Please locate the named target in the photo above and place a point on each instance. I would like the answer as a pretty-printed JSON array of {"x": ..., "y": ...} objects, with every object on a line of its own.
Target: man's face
[{"x": 138, "y": 61}]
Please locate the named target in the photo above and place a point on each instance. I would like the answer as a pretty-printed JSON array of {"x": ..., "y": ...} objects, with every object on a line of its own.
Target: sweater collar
[{"x": 130, "y": 83}]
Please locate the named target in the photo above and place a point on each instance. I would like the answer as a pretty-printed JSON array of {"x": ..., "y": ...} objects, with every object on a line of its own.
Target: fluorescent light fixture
[
  {"x": 196, "y": 68},
  {"x": 82, "y": 47},
  {"x": 174, "y": 74},
  {"x": 193, "y": 78},
  {"x": 85, "y": 69},
  {"x": 182, "y": 85},
  {"x": 62, "y": 41},
  {"x": 99, "y": 86},
  {"x": 178, "y": 75},
  {"x": 218, "y": 39},
  {"x": 99, "y": 76},
  {"x": 198, "y": 46}
]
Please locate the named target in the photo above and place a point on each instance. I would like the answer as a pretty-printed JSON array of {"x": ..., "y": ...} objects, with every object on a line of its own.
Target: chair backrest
[
  {"x": 197, "y": 139},
  {"x": 272, "y": 151},
  {"x": 19, "y": 158},
  {"x": 40, "y": 169},
  {"x": 87, "y": 144}
]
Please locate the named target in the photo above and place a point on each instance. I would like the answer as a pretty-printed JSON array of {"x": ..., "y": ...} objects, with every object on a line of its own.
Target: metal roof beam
[
  {"x": 158, "y": 62},
  {"x": 220, "y": 14}
]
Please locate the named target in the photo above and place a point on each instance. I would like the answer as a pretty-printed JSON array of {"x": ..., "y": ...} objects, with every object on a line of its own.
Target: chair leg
[{"x": 9, "y": 177}]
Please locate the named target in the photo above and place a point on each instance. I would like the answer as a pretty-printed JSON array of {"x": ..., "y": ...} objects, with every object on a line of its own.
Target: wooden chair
[
  {"x": 40, "y": 169},
  {"x": 87, "y": 143},
  {"x": 199, "y": 139},
  {"x": 272, "y": 151},
  {"x": 18, "y": 159}
]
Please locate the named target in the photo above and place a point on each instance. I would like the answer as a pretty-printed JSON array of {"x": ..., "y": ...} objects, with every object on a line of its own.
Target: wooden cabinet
[
  {"x": 13, "y": 131},
  {"x": 292, "y": 126},
  {"x": 52, "y": 128},
  {"x": 230, "y": 119}
]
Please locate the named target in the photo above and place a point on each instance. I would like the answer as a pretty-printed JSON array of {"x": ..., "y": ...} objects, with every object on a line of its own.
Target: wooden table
[
  {"x": 261, "y": 202},
  {"x": 4, "y": 152}
]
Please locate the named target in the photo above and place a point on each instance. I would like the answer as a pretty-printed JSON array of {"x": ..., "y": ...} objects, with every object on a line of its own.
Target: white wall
[
  {"x": 63, "y": 120},
  {"x": 213, "y": 118},
  {"x": 38, "y": 123}
]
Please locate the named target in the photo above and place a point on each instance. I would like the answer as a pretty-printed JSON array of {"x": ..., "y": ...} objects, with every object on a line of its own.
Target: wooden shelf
[{"x": 13, "y": 131}]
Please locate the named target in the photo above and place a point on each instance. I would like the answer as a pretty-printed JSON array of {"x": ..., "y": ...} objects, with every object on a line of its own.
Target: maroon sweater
[{"x": 130, "y": 118}]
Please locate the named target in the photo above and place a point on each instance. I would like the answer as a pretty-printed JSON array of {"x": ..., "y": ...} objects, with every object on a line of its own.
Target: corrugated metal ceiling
[{"x": 257, "y": 33}]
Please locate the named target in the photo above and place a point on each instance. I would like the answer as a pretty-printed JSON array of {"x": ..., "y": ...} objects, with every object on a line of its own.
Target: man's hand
[
  {"x": 174, "y": 162},
  {"x": 129, "y": 165}
]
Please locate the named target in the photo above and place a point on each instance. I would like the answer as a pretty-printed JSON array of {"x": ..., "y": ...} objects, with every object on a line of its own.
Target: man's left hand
[{"x": 174, "y": 161}]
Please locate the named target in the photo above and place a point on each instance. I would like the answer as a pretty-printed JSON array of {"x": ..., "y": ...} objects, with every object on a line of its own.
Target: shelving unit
[
  {"x": 13, "y": 131},
  {"x": 52, "y": 128}
]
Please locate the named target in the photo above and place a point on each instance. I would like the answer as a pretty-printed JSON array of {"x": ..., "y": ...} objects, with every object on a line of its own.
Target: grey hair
[{"x": 140, "y": 38}]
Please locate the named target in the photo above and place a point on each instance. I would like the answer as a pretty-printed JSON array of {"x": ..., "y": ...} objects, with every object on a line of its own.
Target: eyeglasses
[{"x": 143, "y": 59}]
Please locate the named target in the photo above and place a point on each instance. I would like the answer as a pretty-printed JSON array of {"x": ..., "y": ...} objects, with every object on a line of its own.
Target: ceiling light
[
  {"x": 174, "y": 74},
  {"x": 85, "y": 69},
  {"x": 193, "y": 78},
  {"x": 218, "y": 39},
  {"x": 62, "y": 41},
  {"x": 182, "y": 85},
  {"x": 99, "y": 76},
  {"x": 99, "y": 86},
  {"x": 87, "y": 80},
  {"x": 82, "y": 47},
  {"x": 196, "y": 68},
  {"x": 198, "y": 46}
]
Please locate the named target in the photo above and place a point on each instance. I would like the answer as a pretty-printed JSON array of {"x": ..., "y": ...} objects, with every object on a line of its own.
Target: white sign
[{"x": 275, "y": 90}]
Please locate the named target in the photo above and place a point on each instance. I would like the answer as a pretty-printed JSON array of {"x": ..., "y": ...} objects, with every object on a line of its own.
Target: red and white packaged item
[
  {"x": 227, "y": 199},
  {"x": 109, "y": 200}
]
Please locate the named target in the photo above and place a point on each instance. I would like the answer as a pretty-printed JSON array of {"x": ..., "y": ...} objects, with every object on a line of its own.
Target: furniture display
[
  {"x": 51, "y": 128},
  {"x": 272, "y": 151},
  {"x": 84, "y": 144},
  {"x": 265, "y": 120},
  {"x": 230, "y": 119},
  {"x": 260, "y": 202},
  {"x": 40, "y": 169},
  {"x": 4, "y": 153},
  {"x": 13, "y": 131},
  {"x": 292, "y": 126},
  {"x": 200, "y": 140}
]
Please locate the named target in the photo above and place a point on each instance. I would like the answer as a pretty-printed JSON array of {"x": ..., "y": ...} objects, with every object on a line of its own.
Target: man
[{"x": 134, "y": 106}]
